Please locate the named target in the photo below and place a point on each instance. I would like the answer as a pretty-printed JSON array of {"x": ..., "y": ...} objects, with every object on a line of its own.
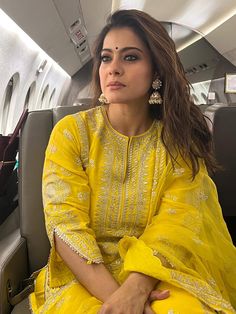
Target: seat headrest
[
  {"x": 224, "y": 137},
  {"x": 61, "y": 112},
  {"x": 210, "y": 113}
]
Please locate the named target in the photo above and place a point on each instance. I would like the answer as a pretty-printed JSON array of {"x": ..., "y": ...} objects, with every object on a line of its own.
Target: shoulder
[
  {"x": 90, "y": 121},
  {"x": 89, "y": 115},
  {"x": 78, "y": 122}
]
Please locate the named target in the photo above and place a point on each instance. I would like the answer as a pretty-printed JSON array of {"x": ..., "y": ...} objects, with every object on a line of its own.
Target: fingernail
[{"x": 165, "y": 291}]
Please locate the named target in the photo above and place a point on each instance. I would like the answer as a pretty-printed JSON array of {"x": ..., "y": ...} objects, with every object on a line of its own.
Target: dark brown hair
[{"x": 184, "y": 128}]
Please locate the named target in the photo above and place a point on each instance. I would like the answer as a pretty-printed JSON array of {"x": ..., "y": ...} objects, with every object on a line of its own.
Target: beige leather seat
[{"x": 26, "y": 249}]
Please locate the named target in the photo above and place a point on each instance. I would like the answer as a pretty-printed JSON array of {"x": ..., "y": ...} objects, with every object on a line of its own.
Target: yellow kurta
[{"x": 119, "y": 200}]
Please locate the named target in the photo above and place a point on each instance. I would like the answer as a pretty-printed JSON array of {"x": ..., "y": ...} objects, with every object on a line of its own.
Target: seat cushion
[{"x": 22, "y": 307}]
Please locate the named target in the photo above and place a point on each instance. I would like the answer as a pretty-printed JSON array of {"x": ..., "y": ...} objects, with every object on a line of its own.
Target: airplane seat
[
  {"x": 224, "y": 137},
  {"x": 80, "y": 101},
  {"x": 210, "y": 111},
  {"x": 26, "y": 249}
]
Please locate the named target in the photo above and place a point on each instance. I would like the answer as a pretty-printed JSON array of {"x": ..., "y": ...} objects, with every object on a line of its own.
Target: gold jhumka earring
[
  {"x": 102, "y": 99},
  {"x": 155, "y": 98}
]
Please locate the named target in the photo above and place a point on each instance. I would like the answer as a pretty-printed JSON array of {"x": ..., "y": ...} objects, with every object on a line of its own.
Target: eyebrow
[{"x": 122, "y": 49}]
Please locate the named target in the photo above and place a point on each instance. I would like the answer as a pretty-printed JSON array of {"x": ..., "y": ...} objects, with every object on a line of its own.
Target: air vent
[
  {"x": 78, "y": 33},
  {"x": 197, "y": 68}
]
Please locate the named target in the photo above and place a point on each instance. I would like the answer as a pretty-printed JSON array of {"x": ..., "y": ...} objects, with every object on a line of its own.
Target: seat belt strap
[{"x": 27, "y": 286}]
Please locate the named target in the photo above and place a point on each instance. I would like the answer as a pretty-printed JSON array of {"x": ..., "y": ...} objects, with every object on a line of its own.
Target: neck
[{"x": 129, "y": 119}]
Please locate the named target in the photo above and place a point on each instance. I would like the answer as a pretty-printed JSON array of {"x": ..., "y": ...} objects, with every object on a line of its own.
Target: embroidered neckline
[{"x": 117, "y": 133}]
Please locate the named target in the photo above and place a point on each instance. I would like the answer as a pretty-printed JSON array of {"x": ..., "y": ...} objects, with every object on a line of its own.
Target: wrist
[
  {"x": 142, "y": 283},
  {"x": 100, "y": 282}
]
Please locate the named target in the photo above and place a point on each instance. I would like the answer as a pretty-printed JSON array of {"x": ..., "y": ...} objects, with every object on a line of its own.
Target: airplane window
[
  {"x": 44, "y": 98},
  {"x": 30, "y": 96},
  {"x": 204, "y": 97},
  {"x": 51, "y": 99},
  {"x": 195, "y": 99},
  {"x": 8, "y": 103}
]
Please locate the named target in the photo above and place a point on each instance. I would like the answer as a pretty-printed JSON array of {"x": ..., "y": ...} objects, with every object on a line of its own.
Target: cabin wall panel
[
  {"x": 18, "y": 56},
  {"x": 80, "y": 84},
  {"x": 218, "y": 86}
]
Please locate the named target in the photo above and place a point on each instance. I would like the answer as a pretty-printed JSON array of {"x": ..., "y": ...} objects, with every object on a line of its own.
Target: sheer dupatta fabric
[{"x": 187, "y": 243}]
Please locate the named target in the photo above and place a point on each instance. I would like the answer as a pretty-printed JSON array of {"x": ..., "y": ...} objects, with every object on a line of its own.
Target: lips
[{"x": 115, "y": 84}]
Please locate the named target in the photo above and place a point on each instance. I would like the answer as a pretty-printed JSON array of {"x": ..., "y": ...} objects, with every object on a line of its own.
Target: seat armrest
[{"x": 13, "y": 266}]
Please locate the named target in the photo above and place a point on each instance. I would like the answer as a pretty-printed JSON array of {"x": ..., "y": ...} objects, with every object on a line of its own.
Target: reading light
[{"x": 41, "y": 67}]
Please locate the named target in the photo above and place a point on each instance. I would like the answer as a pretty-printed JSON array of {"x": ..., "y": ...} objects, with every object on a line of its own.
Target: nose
[
  {"x": 114, "y": 72},
  {"x": 115, "y": 67}
]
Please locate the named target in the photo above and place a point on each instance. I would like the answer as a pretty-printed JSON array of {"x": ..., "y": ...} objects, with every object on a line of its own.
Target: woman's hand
[
  {"x": 130, "y": 300},
  {"x": 155, "y": 295},
  {"x": 158, "y": 295},
  {"x": 126, "y": 300}
]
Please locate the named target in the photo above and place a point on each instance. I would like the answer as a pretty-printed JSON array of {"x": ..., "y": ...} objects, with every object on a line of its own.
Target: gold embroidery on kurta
[
  {"x": 56, "y": 189},
  {"x": 106, "y": 186}
]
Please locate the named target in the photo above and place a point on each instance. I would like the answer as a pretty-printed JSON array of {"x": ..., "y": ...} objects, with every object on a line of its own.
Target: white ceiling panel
[
  {"x": 200, "y": 15},
  {"x": 43, "y": 23},
  {"x": 47, "y": 21}
]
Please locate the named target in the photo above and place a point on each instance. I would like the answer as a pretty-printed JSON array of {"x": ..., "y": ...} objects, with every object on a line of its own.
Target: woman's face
[{"x": 126, "y": 69}]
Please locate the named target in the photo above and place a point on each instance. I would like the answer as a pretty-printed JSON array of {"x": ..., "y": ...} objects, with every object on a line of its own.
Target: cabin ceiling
[
  {"x": 199, "y": 15},
  {"x": 48, "y": 23}
]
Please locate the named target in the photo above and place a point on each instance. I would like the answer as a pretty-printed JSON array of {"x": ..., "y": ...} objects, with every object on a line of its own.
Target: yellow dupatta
[{"x": 188, "y": 234}]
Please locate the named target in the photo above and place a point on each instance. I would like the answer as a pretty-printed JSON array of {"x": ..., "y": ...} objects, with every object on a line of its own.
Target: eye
[
  {"x": 131, "y": 58},
  {"x": 105, "y": 58}
]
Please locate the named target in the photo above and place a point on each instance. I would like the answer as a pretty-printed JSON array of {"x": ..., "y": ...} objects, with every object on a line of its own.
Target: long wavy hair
[{"x": 184, "y": 127}]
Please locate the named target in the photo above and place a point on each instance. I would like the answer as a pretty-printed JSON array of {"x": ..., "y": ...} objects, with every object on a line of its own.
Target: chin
[
  {"x": 117, "y": 100},
  {"x": 125, "y": 99}
]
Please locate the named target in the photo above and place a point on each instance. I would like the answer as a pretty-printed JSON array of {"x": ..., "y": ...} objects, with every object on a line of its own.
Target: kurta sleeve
[
  {"x": 66, "y": 192},
  {"x": 184, "y": 242}
]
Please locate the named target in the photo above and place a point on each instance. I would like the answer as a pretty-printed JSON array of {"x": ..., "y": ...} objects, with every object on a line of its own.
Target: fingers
[
  {"x": 159, "y": 295},
  {"x": 147, "y": 309}
]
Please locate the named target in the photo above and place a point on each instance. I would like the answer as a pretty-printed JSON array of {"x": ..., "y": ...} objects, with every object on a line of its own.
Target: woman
[{"x": 129, "y": 205}]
